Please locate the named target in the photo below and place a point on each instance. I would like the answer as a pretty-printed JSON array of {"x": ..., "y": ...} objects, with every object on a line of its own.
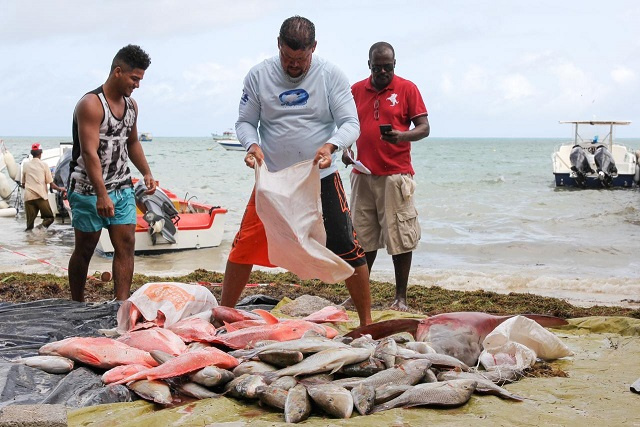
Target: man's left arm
[
  {"x": 343, "y": 109},
  {"x": 136, "y": 154}
]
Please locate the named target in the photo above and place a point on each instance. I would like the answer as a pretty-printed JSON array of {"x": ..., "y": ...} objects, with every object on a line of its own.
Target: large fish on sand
[
  {"x": 442, "y": 394},
  {"x": 297, "y": 406},
  {"x": 99, "y": 352},
  {"x": 156, "y": 391},
  {"x": 186, "y": 363},
  {"x": 458, "y": 334}
]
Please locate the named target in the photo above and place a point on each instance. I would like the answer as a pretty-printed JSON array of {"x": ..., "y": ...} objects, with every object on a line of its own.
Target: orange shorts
[{"x": 250, "y": 244}]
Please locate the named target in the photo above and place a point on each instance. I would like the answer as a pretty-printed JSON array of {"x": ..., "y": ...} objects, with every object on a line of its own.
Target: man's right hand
[
  {"x": 345, "y": 157},
  {"x": 104, "y": 206},
  {"x": 254, "y": 155}
]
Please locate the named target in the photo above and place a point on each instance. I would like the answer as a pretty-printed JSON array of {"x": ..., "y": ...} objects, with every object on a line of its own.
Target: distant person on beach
[
  {"x": 105, "y": 137},
  {"x": 295, "y": 101},
  {"x": 36, "y": 177},
  {"x": 382, "y": 203}
]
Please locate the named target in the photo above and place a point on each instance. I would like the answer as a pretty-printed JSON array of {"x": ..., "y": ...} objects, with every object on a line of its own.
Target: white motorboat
[
  {"x": 146, "y": 137},
  {"x": 170, "y": 223},
  {"x": 228, "y": 140},
  {"x": 591, "y": 162}
]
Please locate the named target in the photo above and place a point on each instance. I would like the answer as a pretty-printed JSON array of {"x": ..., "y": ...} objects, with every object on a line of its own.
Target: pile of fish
[{"x": 296, "y": 366}]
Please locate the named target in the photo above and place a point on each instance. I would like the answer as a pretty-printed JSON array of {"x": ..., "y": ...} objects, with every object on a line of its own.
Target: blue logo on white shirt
[
  {"x": 294, "y": 97},
  {"x": 244, "y": 98}
]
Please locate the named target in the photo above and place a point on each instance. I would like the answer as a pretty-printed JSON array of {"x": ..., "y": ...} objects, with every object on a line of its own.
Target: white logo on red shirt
[{"x": 394, "y": 99}]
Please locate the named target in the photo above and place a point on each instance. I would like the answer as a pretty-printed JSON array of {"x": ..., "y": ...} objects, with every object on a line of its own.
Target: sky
[{"x": 485, "y": 68}]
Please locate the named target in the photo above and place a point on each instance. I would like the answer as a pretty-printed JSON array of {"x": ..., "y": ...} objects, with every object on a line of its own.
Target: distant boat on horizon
[
  {"x": 146, "y": 137},
  {"x": 228, "y": 140}
]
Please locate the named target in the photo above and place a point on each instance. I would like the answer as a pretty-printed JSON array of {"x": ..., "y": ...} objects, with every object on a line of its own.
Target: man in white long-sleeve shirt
[{"x": 295, "y": 101}]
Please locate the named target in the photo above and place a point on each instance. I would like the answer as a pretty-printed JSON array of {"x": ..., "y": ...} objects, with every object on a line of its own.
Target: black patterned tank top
[{"x": 112, "y": 150}]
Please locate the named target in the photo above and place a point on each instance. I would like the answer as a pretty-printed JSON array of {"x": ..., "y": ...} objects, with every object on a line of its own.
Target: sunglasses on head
[{"x": 377, "y": 68}]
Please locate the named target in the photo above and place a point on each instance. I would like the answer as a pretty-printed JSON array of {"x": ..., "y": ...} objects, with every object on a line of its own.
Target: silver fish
[
  {"x": 272, "y": 396},
  {"x": 386, "y": 392},
  {"x": 280, "y": 358},
  {"x": 365, "y": 341},
  {"x": 315, "y": 379},
  {"x": 245, "y": 386},
  {"x": 363, "y": 398},
  {"x": 430, "y": 377},
  {"x": 285, "y": 383},
  {"x": 324, "y": 361},
  {"x": 252, "y": 367},
  {"x": 297, "y": 407},
  {"x": 484, "y": 385},
  {"x": 420, "y": 347},
  {"x": 409, "y": 372},
  {"x": 365, "y": 368},
  {"x": 446, "y": 394},
  {"x": 334, "y": 400},
  {"x": 303, "y": 345},
  {"x": 196, "y": 390},
  {"x": 211, "y": 376},
  {"x": 438, "y": 360},
  {"x": 49, "y": 364},
  {"x": 154, "y": 390},
  {"x": 386, "y": 351}
]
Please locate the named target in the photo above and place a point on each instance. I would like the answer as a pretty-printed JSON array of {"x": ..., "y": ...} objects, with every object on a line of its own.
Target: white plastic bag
[
  {"x": 288, "y": 204},
  {"x": 520, "y": 340},
  {"x": 174, "y": 300}
]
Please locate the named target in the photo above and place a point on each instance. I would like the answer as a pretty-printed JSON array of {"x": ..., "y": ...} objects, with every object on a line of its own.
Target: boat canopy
[{"x": 597, "y": 122}]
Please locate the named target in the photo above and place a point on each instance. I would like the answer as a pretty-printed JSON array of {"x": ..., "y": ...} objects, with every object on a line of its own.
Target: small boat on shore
[
  {"x": 146, "y": 137},
  {"x": 591, "y": 162},
  {"x": 228, "y": 140},
  {"x": 166, "y": 223}
]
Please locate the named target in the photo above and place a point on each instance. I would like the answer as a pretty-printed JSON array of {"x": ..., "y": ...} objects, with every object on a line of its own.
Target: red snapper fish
[
  {"x": 328, "y": 314},
  {"x": 122, "y": 371},
  {"x": 99, "y": 352},
  {"x": 221, "y": 314},
  {"x": 290, "y": 329},
  {"x": 184, "y": 364},
  {"x": 154, "y": 339},
  {"x": 458, "y": 334},
  {"x": 194, "y": 329}
]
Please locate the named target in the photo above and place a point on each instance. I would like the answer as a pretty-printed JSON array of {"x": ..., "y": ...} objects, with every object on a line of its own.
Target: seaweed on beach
[{"x": 429, "y": 300}]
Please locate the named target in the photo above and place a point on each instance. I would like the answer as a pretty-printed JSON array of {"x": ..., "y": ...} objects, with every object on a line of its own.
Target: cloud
[
  {"x": 516, "y": 87},
  {"x": 622, "y": 75}
]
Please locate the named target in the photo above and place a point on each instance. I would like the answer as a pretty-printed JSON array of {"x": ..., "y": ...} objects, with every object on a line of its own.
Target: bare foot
[{"x": 399, "y": 305}]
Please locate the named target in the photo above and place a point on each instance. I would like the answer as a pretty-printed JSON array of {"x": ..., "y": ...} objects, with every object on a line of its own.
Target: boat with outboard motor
[
  {"x": 228, "y": 140},
  {"x": 166, "y": 222},
  {"x": 591, "y": 162},
  {"x": 145, "y": 137}
]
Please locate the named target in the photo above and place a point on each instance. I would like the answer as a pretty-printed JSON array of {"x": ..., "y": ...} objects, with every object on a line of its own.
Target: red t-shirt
[{"x": 398, "y": 104}]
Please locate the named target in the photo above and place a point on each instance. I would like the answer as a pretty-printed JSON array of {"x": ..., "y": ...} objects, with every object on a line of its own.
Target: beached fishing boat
[
  {"x": 228, "y": 140},
  {"x": 593, "y": 162},
  {"x": 170, "y": 223}
]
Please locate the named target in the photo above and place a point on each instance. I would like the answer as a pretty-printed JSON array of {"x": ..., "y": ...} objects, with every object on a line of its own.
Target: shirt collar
[{"x": 369, "y": 86}]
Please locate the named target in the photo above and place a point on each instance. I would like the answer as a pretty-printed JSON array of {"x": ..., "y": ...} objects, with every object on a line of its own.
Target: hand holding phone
[{"x": 385, "y": 129}]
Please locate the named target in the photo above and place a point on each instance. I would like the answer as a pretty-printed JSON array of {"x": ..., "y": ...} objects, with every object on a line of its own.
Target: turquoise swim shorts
[{"x": 85, "y": 215}]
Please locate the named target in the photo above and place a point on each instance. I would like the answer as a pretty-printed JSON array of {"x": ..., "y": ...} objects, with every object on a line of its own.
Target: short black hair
[
  {"x": 298, "y": 33},
  {"x": 380, "y": 46},
  {"x": 129, "y": 57}
]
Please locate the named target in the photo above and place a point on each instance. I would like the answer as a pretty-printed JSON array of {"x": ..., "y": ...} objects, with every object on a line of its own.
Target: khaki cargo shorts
[{"x": 383, "y": 212}]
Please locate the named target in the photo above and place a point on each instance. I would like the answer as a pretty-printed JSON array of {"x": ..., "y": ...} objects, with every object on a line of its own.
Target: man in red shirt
[{"x": 382, "y": 205}]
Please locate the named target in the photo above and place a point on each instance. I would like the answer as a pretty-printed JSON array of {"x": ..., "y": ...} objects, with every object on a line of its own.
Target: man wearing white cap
[{"x": 36, "y": 175}]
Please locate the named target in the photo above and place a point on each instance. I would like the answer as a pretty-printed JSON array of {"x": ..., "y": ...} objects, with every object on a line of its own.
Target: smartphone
[{"x": 385, "y": 129}]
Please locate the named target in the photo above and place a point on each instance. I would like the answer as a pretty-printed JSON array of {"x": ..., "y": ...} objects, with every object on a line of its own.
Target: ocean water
[{"x": 491, "y": 219}]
